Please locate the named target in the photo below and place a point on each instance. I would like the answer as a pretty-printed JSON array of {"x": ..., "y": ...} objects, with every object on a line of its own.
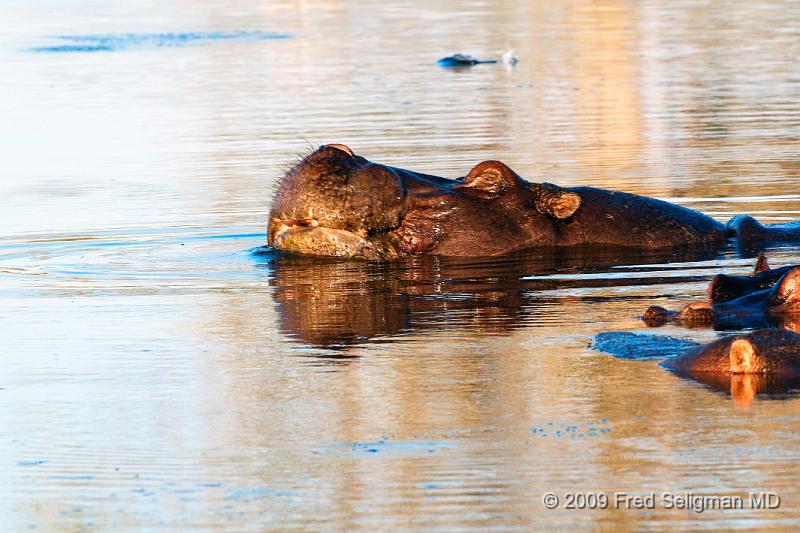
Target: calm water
[{"x": 160, "y": 370}]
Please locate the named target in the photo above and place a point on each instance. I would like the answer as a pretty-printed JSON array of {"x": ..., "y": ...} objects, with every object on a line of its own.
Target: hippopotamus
[
  {"x": 770, "y": 297},
  {"x": 764, "y": 351},
  {"x": 463, "y": 60},
  {"x": 748, "y": 229},
  {"x": 765, "y": 361},
  {"x": 336, "y": 203},
  {"x": 724, "y": 288}
]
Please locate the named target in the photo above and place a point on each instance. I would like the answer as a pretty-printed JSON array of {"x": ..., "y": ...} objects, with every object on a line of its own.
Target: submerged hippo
[
  {"x": 766, "y": 361},
  {"x": 336, "y": 203},
  {"x": 724, "y": 288},
  {"x": 765, "y": 351},
  {"x": 466, "y": 60},
  {"x": 770, "y": 297}
]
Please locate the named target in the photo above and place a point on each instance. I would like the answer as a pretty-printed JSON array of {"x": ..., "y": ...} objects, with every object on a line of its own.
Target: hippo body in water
[
  {"x": 463, "y": 60},
  {"x": 768, "y": 298},
  {"x": 761, "y": 362},
  {"x": 724, "y": 288},
  {"x": 748, "y": 229},
  {"x": 765, "y": 351},
  {"x": 335, "y": 203}
]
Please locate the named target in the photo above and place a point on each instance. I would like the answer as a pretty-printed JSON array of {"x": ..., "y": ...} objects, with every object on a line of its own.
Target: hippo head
[
  {"x": 336, "y": 203},
  {"x": 781, "y": 302},
  {"x": 765, "y": 352}
]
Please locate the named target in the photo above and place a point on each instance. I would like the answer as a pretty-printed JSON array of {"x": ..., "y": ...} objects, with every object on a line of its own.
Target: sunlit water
[{"x": 162, "y": 370}]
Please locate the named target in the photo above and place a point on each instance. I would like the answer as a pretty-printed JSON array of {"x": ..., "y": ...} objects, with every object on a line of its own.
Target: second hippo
[
  {"x": 765, "y": 351},
  {"x": 770, "y": 297}
]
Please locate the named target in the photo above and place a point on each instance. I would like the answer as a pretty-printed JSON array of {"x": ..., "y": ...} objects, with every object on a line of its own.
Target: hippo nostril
[{"x": 342, "y": 147}]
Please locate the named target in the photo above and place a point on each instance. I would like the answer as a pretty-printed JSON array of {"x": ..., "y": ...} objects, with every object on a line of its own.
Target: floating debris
[{"x": 466, "y": 60}]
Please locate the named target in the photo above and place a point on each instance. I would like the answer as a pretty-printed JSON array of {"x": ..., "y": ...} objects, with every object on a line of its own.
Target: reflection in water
[
  {"x": 744, "y": 388},
  {"x": 332, "y": 302}
]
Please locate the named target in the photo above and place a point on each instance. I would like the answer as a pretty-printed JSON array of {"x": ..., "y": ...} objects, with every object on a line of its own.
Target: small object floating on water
[
  {"x": 466, "y": 60},
  {"x": 509, "y": 58},
  {"x": 462, "y": 60}
]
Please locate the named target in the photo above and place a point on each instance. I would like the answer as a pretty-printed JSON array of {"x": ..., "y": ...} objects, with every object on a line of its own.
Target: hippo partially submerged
[
  {"x": 764, "y": 351},
  {"x": 724, "y": 288},
  {"x": 336, "y": 203},
  {"x": 765, "y": 361},
  {"x": 768, "y": 298}
]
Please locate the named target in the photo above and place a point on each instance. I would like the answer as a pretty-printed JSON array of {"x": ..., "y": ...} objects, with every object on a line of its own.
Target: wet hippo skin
[
  {"x": 768, "y": 298},
  {"x": 334, "y": 202},
  {"x": 765, "y": 361},
  {"x": 766, "y": 351}
]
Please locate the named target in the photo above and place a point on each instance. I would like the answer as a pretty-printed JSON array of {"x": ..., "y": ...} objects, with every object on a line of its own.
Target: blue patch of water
[
  {"x": 114, "y": 42},
  {"x": 246, "y": 494},
  {"x": 36, "y": 462},
  {"x": 72, "y": 477},
  {"x": 627, "y": 345},
  {"x": 573, "y": 431},
  {"x": 382, "y": 446}
]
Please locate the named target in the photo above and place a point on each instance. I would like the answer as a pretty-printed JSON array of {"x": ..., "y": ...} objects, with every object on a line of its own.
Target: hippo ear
[
  {"x": 490, "y": 177},
  {"x": 761, "y": 264},
  {"x": 743, "y": 357},
  {"x": 787, "y": 291},
  {"x": 554, "y": 200}
]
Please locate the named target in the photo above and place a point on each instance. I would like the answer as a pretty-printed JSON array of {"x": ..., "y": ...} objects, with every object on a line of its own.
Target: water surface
[{"x": 162, "y": 370}]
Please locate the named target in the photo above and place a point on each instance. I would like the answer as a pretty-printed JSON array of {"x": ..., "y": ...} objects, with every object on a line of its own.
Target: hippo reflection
[
  {"x": 328, "y": 302},
  {"x": 336, "y": 203}
]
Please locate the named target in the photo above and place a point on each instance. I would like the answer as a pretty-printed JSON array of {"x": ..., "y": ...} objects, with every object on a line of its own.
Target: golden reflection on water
[{"x": 160, "y": 374}]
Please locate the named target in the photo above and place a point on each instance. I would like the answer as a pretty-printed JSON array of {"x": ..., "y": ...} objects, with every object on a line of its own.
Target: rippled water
[{"x": 163, "y": 370}]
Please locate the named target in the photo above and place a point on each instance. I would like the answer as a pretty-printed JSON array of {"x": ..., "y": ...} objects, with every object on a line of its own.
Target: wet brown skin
[
  {"x": 776, "y": 304},
  {"x": 748, "y": 229},
  {"x": 766, "y": 351},
  {"x": 724, "y": 288},
  {"x": 336, "y": 203}
]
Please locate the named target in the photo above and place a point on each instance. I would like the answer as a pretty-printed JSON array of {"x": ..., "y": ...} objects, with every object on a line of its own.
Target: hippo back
[{"x": 624, "y": 219}]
